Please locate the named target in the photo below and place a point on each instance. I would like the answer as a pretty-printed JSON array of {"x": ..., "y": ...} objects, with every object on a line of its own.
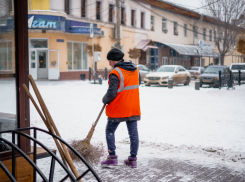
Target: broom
[
  {"x": 89, "y": 152},
  {"x": 51, "y": 126}
]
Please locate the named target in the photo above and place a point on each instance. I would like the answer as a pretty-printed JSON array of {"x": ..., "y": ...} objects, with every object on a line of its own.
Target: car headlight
[
  {"x": 216, "y": 78},
  {"x": 199, "y": 77},
  {"x": 146, "y": 77}
]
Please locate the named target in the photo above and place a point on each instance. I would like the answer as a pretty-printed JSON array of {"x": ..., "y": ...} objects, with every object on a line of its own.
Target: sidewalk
[{"x": 169, "y": 170}]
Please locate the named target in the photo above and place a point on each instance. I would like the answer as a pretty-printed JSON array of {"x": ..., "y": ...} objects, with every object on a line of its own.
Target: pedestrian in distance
[{"x": 123, "y": 104}]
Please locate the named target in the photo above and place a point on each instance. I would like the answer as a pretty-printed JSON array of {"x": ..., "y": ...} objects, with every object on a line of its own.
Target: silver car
[
  {"x": 195, "y": 71},
  {"x": 143, "y": 71}
]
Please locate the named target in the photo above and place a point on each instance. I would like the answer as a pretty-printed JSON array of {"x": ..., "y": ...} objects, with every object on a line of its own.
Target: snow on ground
[{"x": 204, "y": 126}]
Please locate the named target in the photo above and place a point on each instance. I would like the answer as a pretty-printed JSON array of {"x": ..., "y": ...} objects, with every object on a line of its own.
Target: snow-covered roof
[{"x": 191, "y": 50}]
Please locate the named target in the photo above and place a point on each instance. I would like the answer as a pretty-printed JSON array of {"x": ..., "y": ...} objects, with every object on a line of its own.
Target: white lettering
[
  {"x": 30, "y": 20},
  {"x": 51, "y": 25},
  {"x": 41, "y": 24}
]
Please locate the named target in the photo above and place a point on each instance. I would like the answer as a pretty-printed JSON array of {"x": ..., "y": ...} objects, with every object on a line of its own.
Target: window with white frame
[
  {"x": 185, "y": 30},
  {"x": 132, "y": 17},
  {"x": 67, "y": 6},
  {"x": 204, "y": 34},
  {"x": 152, "y": 23},
  {"x": 176, "y": 28},
  {"x": 210, "y": 35},
  {"x": 142, "y": 20},
  {"x": 214, "y": 35},
  {"x": 111, "y": 8},
  {"x": 164, "y": 25},
  {"x": 6, "y": 56},
  {"x": 122, "y": 15},
  {"x": 195, "y": 31},
  {"x": 77, "y": 56},
  {"x": 98, "y": 10},
  {"x": 83, "y": 8}
]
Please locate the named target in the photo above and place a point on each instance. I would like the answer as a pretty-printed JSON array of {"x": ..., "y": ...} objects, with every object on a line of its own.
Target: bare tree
[{"x": 228, "y": 16}]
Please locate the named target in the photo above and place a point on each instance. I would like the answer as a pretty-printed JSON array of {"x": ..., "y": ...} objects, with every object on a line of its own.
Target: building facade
[{"x": 60, "y": 46}]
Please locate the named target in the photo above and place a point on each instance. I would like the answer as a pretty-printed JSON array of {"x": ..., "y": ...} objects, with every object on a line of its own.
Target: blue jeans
[{"x": 133, "y": 135}]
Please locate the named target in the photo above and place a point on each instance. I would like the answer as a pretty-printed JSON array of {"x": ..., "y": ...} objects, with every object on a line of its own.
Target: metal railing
[{"x": 33, "y": 163}]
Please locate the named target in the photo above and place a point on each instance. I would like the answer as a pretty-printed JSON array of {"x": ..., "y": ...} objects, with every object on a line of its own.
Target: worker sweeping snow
[{"x": 123, "y": 104}]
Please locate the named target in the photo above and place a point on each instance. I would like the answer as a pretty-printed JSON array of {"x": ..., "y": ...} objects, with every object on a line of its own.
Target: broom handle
[
  {"x": 46, "y": 123},
  {"x": 95, "y": 123},
  {"x": 49, "y": 118},
  {"x": 90, "y": 133}
]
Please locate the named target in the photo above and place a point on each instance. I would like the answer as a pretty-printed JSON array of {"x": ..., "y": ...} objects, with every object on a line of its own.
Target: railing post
[
  {"x": 89, "y": 74},
  {"x": 105, "y": 73},
  {"x": 220, "y": 81},
  {"x": 35, "y": 155},
  {"x": 13, "y": 154},
  {"x": 239, "y": 77}
]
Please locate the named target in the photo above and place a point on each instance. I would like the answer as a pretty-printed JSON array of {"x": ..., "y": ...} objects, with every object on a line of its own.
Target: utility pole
[{"x": 118, "y": 23}]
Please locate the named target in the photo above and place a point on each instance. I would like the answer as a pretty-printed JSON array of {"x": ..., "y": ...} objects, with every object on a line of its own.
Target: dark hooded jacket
[{"x": 113, "y": 87}]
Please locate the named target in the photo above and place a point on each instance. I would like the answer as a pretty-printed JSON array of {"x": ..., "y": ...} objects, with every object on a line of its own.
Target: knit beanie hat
[{"x": 115, "y": 55}]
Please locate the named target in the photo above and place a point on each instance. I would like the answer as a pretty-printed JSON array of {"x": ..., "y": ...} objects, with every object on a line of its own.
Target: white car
[
  {"x": 162, "y": 74},
  {"x": 234, "y": 67}
]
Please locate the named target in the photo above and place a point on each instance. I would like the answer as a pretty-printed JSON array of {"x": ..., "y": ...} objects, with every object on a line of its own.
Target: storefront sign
[
  {"x": 41, "y": 24},
  {"x": 46, "y": 22}
]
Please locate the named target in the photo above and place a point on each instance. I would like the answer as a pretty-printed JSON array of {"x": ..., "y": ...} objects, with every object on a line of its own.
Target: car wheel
[{"x": 187, "y": 81}]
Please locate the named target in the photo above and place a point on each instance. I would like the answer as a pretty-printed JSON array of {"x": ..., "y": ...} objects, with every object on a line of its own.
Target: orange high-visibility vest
[{"x": 127, "y": 102}]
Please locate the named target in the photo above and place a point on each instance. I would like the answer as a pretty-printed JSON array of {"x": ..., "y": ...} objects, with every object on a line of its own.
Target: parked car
[
  {"x": 211, "y": 75},
  {"x": 195, "y": 71},
  {"x": 143, "y": 71},
  {"x": 234, "y": 67},
  {"x": 165, "y": 72}
]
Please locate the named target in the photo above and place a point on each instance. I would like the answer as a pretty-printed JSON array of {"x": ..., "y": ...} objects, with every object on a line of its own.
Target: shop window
[
  {"x": 210, "y": 35},
  {"x": 6, "y": 56},
  {"x": 176, "y": 28},
  {"x": 38, "y": 43},
  {"x": 203, "y": 62},
  {"x": 8, "y": 94},
  {"x": 164, "y": 60},
  {"x": 67, "y": 7},
  {"x": 83, "y": 8},
  {"x": 132, "y": 17},
  {"x": 122, "y": 15},
  {"x": 185, "y": 30},
  {"x": 142, "y": 18},
  {"x": 10, "y": 6},
  {"x": 152, "y": 23},
  {"x": 77, "y": 56},
  {"x": 164, "y": 25},
  {"x": 98, "y": 6},
  {"x": 111, "y": 7},
  {"x": 204, "y": 34},
  {"x": 195, "y": 31}
]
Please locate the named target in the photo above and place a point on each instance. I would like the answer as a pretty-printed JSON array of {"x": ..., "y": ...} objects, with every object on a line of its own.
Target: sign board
[
  {"x": 97, "y": 56},
  {"x": 204, "y": 48},
  {"x": 42, "y": 22},
  {"x": 91, "y": 30}
]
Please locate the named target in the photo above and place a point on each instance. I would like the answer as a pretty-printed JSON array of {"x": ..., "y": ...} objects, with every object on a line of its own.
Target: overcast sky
[{"x": 191, "y": 4}]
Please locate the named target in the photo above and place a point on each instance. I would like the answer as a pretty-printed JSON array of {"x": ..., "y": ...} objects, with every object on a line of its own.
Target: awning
[
  {"x": 148, "y": 47},
  {"x": 145, "y": 45},
  {"x": 190, "y": 50}
]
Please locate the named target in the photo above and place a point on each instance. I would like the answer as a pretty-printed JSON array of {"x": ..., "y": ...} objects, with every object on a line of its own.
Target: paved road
[{"x": 170, "y": 170}]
